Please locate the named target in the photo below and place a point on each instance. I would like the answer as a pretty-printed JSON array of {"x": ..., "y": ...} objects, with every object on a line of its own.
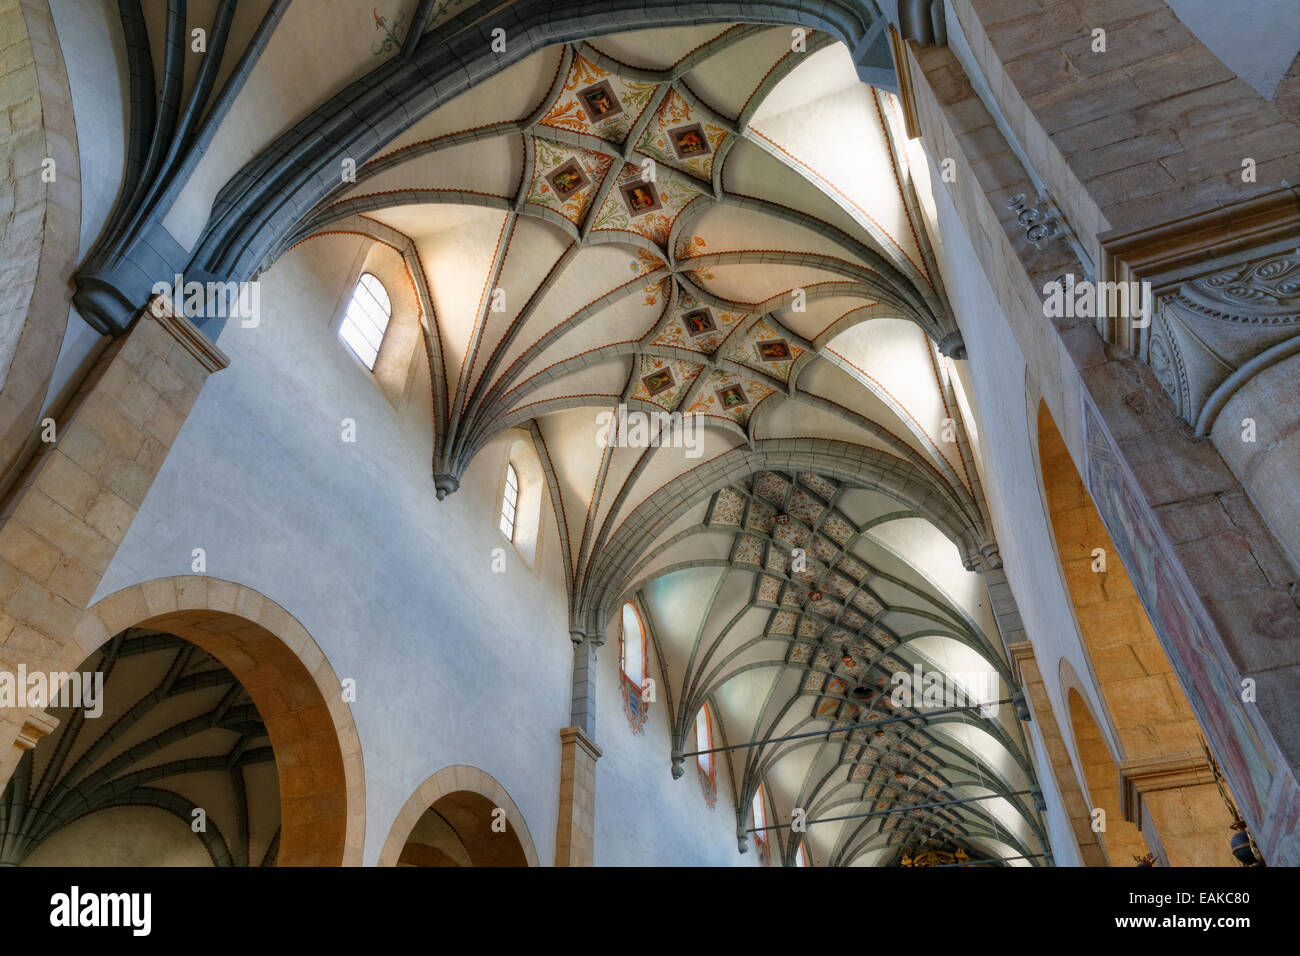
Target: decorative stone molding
[
  {"x": 1020, "y": 652},
  {"x": 906, "y": 96},
  {"x": 1147, "y": 775},
  {"x": 953, "y": 346},
  {"x": 1207, "y": 244},
  {"x": 35, "y": 727},
  {"x": 1215, "y": 333},
  {"x": 923, "y": 21},
  {"x": 184, "y": 331}
]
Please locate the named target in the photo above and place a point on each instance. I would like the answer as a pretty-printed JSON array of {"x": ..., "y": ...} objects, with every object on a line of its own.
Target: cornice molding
[
  {"x": 35, "y": 727},
  {"x": 185, "y": 332},
  {"x": 578, "y": 737},
  {"x": 1146, "y": 775},
  {"x": 906, "y": 95},
  {"x": 1173, "y": 251},
  {"x": 1020, "y": 652}
]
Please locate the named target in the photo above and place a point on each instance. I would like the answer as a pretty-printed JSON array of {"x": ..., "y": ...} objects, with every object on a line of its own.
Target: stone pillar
[
  {"x": 1025, "y": 666},
  {"x": 1176, "y": 795},
  {"x": 576, "y": 827},
  {"x": 63, "y": 521},
  {"x": 1005, "y": 610},
  {"x": 575, "y": 842},
  {"x": 582, "y": 708}
]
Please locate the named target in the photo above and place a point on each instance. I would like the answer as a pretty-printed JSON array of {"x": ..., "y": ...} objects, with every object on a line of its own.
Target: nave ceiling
[{"x": 706, "y": 221}]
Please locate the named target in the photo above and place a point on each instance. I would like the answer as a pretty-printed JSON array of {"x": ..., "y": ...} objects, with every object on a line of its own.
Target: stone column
[
  {"x": 1025, "y": 666},
  {"x": 575, "y": 841},
  {"x": 582, "y": 708},
  {"x": 575, "y": 830},
  {"x": 1175, "y": 794},
  {"x": 63, "y": 521}
]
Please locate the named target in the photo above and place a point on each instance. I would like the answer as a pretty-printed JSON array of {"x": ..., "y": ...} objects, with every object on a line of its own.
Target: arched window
[
  {"x": 801, "y": 858},
  {"x": 758, "y": 811},
  {"x": 704, "y": 741},
  {"x": 366, "y": 319},
  {"x": 509, "y": 503},
  {"x": 633, "y": 645},
  {"x": 632, "y": 666},
  {"x": 521, "y": 495}
]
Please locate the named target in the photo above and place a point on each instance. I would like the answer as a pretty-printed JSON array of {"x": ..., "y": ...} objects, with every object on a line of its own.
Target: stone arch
[
  {"x": 454, "y": 789},
  {"x": 318, "y": 750},
  {"x": 1166, "y": 782},
  {"x": 1099, "y": 777},
  {"x": 41, "y": 252}
]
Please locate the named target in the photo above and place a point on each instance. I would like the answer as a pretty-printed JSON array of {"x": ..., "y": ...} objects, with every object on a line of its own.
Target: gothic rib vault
[
  {"x": 710, "y": 221},
  {"x": 777, "y": 284}
]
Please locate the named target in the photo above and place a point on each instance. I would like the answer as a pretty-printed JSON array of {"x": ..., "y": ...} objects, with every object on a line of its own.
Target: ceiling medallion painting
[
  {"x": 567, "y": 179},
  {"x": 644, "y": 206},
  {"x": 732, "y": 396},
  {"x": 640, "y": 196},
  {"x": 657, "y": 382},
  {"x": 689, "y": 141},
  {"x": 683, "y": 136},
  {"x": 599, "y": 101},
  {"x": 663, "y": 381},
  {"x": 696, "y": 326},
  {"x": 773, "y": 350},
  {"x": 699, "y": 322}
]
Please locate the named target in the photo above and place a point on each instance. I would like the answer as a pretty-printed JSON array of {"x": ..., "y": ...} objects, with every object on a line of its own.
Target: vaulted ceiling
[
  {"x": 715, "y": 220},
  {"x": 169, "y": 729},
  {"x": 719, "y": 221}
]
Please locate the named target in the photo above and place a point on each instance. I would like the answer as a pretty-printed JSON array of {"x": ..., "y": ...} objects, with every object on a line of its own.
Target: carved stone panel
[{"x": 1213, "y": 334}]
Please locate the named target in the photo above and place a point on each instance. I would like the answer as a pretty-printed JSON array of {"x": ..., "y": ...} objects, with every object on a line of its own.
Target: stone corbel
[
  {"x": 1147, "y": 775},
  {"x": 36, "y": 727}
]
